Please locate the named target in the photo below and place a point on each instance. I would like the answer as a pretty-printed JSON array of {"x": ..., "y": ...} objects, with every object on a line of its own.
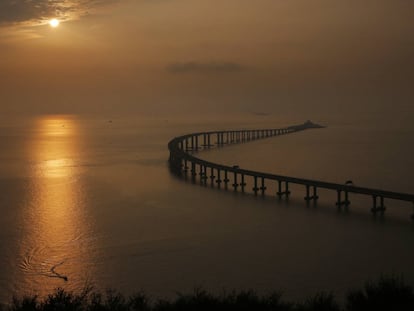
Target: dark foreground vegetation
[{"x": 388, "y": 293}]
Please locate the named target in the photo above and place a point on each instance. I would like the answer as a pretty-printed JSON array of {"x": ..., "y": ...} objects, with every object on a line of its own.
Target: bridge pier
[
  {"x": 242, "y": 183},
  {"x": 281, "y": 193},
  {"x": 377, "y": 208},
  {"x": 255, "y": 188},
  {"x": 186, "y": 144},
  {"x": 204, "y": 177},
  {"x": 226, "y": 178},
  {"x": 235, "y": 184},
  {"x": 196, "y": 142},
  {"x": 212, "y": 175},
  {"x": 202, "y": 173},
  {"x": 262, "y": 187},
  {"x": 339, "y": 201},
  {"x": 192, "y": 142},
  {"x": 193, "y": 170},
  {"x": 200, "y": 170},
  {"x": 218, "y": 180},
  {"x": 309, "y": 197},
  {"x": 204, "y": 140}
]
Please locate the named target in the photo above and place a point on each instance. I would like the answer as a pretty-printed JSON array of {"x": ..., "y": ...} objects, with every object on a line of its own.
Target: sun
[{"x": 54, "y": 23}]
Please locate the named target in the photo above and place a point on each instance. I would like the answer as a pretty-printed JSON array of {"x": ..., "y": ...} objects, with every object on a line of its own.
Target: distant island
[{"x": 307, "y": 125}]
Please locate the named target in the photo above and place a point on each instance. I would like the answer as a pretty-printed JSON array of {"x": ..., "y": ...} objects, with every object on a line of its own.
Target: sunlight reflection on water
[{"x": 53, "y": 249}]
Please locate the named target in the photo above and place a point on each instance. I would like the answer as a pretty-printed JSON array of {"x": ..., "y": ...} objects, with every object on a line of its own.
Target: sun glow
[{"x": 54, "y": 23}]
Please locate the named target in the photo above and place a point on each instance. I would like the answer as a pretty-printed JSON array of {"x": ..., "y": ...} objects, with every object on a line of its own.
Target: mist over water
[{"x": 91, "y": 201}]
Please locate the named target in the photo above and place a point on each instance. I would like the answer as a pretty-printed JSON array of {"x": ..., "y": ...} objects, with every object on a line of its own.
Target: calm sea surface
[{"x": 90, "y": 201}]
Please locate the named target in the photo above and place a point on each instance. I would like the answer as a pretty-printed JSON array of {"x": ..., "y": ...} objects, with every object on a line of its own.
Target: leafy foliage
[{"x": 387, "y": 293}]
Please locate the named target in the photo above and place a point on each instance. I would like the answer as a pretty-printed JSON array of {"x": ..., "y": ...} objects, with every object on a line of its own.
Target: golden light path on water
[{"x": 55, "y": 250}]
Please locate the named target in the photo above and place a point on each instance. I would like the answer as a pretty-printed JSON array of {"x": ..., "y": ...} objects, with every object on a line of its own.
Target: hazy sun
[{"x": 54, "y": 23}]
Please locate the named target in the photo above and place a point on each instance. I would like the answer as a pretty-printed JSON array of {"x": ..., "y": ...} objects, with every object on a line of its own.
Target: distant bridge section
[{"x": 183, "y": 162}]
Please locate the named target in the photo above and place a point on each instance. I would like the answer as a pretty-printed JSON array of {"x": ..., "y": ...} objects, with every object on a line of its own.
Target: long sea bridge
[{"x": 183, "y": 162}]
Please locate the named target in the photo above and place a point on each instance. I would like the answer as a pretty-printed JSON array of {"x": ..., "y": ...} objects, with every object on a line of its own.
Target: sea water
[{"x": 90, "y": 201}]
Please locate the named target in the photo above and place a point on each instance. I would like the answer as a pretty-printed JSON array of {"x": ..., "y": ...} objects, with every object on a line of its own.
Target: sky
[{"x": 178, "y": 56}]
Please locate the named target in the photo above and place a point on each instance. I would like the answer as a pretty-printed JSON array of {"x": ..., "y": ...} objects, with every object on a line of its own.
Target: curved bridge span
[{"x": 183, "y": 162}]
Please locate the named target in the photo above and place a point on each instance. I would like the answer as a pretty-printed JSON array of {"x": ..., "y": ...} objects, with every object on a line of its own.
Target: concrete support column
[
  {"x": 226, "y": 178},
  {"x": 218, "y": 180},
  {"x": 242, "y": 183},
  {"x": 262, "y": 187},
  {"x": 346, "y": 201},
  {"x": 315, "y": 194},
  {"x": 212, "y": 175},
  {"x": 235, "y": 184},
  {"x": 193, "y": 170},
  {"x": 339, "y": 201},
  {"x": 203, "y": 176},
  {"x": 255, "y": 188},
  {"x": 281, "y": 192},
  {"x": 307, "y": 197},
  {"x": 375, "y": 208}
]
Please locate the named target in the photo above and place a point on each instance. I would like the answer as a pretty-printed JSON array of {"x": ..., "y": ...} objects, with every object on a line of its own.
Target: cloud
[
  {"x": 209, "y": 67},
  {"x": 35, "y": 12}
]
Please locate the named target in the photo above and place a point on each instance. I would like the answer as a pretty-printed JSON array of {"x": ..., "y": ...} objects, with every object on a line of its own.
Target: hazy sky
[{"x": 205, "y": 55}]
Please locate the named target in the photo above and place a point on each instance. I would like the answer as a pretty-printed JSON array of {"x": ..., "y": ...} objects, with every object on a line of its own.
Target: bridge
[{"x": 183, "y": 162}]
